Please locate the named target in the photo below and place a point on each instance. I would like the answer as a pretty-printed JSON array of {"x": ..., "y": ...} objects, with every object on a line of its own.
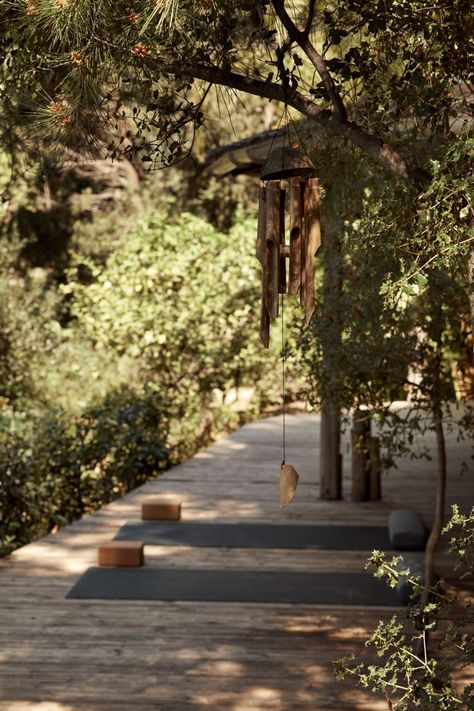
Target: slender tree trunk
[
  {"x": 375, "y": 469},
  {"x": 330, "y": 438},
  {"x": 435, "y": 535},
  {"x": 361, "y": 464},
  {"x": 330, "y": 458},
  {"x": 437, "y": 410},
  {"x": 471, "y": 289}
]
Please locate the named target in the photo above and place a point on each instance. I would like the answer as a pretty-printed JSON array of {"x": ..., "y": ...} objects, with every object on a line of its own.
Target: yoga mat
[
  {"x": 257, "y": 535},
  {"x": 233, "y": 586}
]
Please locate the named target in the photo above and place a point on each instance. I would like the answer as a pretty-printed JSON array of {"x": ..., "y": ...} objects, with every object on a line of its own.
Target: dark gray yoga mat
[
  {"x": 257, "y": 535},
  {"x": 233, "y": 586}
]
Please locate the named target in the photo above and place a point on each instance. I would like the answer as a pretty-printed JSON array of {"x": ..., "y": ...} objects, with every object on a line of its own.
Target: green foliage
[
  {"x": 395, "y": 67},
  {"x": 434, "y": 221},
  {"x": 410, "y": 672},
  {"x": 399, "y": 63},
  {"x": 18, "y": 337},
  {"x": 461, "y": 528},
  {"x": 397, "y": 315},
  {"x": 182, "y": 300},
  {"x": 56, "y": 467},
  {"x": 134, "y": 361}
]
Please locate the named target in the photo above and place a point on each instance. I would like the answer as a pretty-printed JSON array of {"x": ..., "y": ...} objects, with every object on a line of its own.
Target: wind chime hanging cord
[
  {"x": 283, "y": 375},
  {"x": 286, "y": 131}
]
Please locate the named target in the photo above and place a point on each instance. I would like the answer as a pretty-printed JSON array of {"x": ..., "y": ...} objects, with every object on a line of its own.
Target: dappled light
[
  {"x": 236, "y": 355},
  {"x": 214, "y": 655},
  {"x": 37, "y": 706}
]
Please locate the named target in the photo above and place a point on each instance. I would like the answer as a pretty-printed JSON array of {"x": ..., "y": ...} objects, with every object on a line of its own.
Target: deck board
[{"x": 71, "y": 655}]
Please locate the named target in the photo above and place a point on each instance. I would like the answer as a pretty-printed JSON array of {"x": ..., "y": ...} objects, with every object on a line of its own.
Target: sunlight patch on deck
[{"x": 37, "y": 706}]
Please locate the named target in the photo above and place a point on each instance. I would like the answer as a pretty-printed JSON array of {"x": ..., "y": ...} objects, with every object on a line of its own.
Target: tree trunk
[
  {"x": 435, "y": 535},
  {"x": 360, "y": 436},
  {"x": 375, "y": 469},
  {"x": 471, "y": 290},
  {"x": 330, "y": 458},
  {"x": 436, "y": 333}
]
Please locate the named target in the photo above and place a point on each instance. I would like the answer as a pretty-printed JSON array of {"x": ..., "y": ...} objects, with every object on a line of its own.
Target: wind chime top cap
[{"x": 286, "y": 162}]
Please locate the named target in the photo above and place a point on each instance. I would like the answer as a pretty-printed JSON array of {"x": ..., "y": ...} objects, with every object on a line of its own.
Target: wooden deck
[{"x": 63, "y": 655}]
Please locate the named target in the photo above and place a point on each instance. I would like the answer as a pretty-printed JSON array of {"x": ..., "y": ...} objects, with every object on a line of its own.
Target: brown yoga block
[
  {"x": 161, "y": 510},
  {"x": 118, "y": 553}
]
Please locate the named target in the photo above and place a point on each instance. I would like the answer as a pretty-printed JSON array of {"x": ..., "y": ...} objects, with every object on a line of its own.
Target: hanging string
[
  {"x": 277, "y": 132},
  {"x": 283, "y": 356},
  {"x": 286, "y": 134},
  {"x": 298, "y": 136},
  {"x": 286, "y": 138}
]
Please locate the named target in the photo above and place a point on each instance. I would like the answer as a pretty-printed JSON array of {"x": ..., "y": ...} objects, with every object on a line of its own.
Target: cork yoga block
[
  {"x": 161, "y": 510},
  {"x": 117, "y": 553}
]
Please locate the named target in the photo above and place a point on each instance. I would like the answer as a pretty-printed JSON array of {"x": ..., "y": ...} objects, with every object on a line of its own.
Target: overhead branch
[
  {"x": 358, "y": 136},
  {"x": 316, "y": 59},
  {"x": 240, "y": 82}
]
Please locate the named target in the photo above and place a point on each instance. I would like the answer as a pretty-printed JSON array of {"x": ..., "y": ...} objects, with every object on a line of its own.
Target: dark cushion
[
  {"x": 406, "y": 530},
  {"x": 417, "y": 569}
]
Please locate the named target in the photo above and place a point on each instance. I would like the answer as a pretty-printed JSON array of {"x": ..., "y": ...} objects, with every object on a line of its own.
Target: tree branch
[
  {"x": 302, "y": 39},
  {"x": 358, "y": 136}
]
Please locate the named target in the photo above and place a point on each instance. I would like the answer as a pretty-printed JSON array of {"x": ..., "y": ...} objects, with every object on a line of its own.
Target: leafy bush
[
  {"x": 56, "y": 467},
  {"x": 419, "y": 651},
  {"x": 137, "y": 356},
  {"x": 181, "y": 300}
]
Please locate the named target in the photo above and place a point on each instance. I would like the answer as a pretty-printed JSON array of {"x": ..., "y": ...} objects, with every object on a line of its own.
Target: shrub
[
  {"x": 419, "y": 651},
  {"x": 55, "y": 467}
]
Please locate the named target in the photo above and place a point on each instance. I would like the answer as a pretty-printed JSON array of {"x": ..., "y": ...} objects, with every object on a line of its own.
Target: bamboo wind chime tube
[
  {"x": 282, "y": 275},
  {"x": 273, "y": 228},
  {"x": 296, "y": 218},
  {"x": 272, "y": 250},
  {"x": 310, "y": 244},
  {"x": 262, "y": 256}
]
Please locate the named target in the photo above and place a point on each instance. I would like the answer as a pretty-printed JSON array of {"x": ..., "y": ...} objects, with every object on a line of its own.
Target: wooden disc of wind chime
[{"x": 287, "y": 179}]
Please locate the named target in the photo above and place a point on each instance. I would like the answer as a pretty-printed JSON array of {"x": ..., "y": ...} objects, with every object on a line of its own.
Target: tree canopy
[{"x": 383, "y": 77}]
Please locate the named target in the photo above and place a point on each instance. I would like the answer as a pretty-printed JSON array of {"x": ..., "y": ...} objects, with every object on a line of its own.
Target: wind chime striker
[{"x": 300, "y": 190}]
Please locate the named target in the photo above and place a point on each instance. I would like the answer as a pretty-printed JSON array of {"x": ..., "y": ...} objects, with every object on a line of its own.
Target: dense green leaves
[
  {"x": 134, "y": 361},
  {"x": 410, "y": 669},
  {"x": 182, "y": 298},
  {"x": 55, "y": 467},
  {"x": 82, "y": 73}
]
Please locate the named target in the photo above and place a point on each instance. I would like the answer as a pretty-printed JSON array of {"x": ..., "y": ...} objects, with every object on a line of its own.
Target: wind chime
[{"x": 288, "y": 204}]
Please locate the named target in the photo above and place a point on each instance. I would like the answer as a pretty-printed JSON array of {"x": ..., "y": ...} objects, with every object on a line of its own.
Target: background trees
[{"x": 131, "y": 356}]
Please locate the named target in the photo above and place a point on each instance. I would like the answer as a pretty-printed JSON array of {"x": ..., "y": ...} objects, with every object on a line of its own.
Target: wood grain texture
[
  {"x": 273, "y": 231},
  {"x": 282, "y": 281},
  {"x": 262, "y": 256},
  {"x": 71, "y": 655},
  {"x": 296, "y": 210},
  {"x": 310, "y": 245}
]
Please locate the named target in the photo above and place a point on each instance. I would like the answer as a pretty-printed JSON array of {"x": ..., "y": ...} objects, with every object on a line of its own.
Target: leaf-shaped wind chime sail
[
  {"x": 288, "y": 482},
  {"x": 304, "y": 231}
]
